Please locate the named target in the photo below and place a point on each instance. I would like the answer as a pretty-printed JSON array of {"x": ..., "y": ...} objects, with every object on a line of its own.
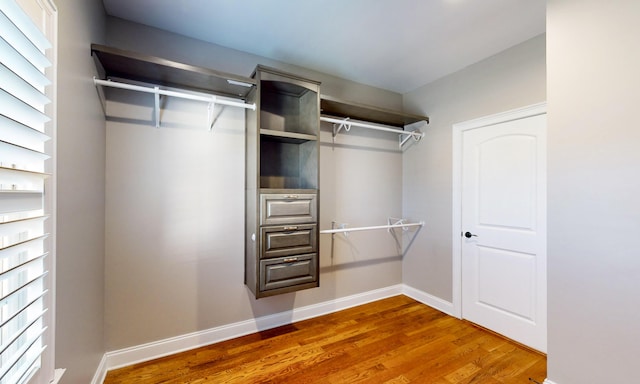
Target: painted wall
[
  {"x": 152, "y": 41},
  {"x": 508, "y": 80},
  {"x": 594, "y": 215},
  {"x": 80, "y": 204},
  {"x": 175, "y": 205}
]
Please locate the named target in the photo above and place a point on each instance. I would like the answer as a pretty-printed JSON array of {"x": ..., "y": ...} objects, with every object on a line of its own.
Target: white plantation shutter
[{"x": 26, "y": 204}]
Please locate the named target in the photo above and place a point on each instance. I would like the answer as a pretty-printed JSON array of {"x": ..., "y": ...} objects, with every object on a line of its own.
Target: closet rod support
[
  {"x": 156, "y": 101},
  {"x": 210, "y": 109}
]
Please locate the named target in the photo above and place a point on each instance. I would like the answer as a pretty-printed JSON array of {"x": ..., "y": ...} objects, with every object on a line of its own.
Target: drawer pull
[
  {"x": 291, "y": 197},
  {"x": 294, "y": 228},
  {"x": 290, "y": 259}
]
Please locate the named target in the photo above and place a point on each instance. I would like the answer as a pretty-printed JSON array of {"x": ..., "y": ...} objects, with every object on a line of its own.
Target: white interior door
[{"x": 503, "y": 228}]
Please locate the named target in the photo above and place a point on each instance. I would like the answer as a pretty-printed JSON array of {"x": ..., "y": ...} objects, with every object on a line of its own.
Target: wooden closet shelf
[
  {"x": 340, "y": 108},
  {"x": 124, "y": 64}
]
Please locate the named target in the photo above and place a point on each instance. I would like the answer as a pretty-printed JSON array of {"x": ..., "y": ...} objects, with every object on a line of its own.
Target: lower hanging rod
[
  {"x": 181, "y": 95},
  {"x": 342, "y": 230}
]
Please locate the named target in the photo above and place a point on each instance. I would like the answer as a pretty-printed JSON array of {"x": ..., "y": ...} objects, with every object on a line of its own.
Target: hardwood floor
[{"x": 395, "y": 340}]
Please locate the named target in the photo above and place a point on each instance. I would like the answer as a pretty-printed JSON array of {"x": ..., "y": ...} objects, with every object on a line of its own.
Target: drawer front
[
  {"x": 287, "y": 271},
  {"x": 280, "y": 209},
  {"x": 288, "y": 240}
]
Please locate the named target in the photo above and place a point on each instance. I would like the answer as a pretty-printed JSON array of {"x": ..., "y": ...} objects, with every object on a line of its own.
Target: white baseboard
[
  {"x": 101, "y": 372},
  {"x": 547, "y": 381},
  {"x": 157, "y": 349},
  {"x": 427, "y": 299}
]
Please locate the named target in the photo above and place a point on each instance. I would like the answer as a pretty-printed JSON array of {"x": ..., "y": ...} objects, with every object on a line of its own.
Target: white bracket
[
  {"x": 343, "y": 226},
  {"x": 337, "y": 127},
  {"x": 156, "y": 99},
  {"x": 416, "y": 135},
  {"x": 393, "y": 222},
  {"x": 210, "y": 107},
  {"x": 102, "y": 98}
]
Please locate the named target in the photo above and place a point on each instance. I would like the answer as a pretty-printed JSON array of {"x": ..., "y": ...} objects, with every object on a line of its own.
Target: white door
[{"x": 503, "y": 228}]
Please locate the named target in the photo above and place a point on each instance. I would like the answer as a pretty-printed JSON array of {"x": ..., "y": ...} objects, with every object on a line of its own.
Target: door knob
[{"x": 469, "y": 235}]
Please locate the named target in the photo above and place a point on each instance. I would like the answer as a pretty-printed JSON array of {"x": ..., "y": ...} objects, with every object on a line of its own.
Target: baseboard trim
[
  {"x": 427, "y": 299},
  {"x": 101, "y": 372},
  {"x": 145, "y": 352},
  {"x": 547, "y": 381}
]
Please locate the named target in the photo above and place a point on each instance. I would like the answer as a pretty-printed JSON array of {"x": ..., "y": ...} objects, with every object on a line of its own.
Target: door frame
[{"x": 456, "y": 239}]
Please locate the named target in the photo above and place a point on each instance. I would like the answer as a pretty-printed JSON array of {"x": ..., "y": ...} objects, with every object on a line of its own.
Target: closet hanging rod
[
  {"x": 347, "y": 124},
  {"x": 164, "y": 92},
  {"x": 342, "y": 230}
]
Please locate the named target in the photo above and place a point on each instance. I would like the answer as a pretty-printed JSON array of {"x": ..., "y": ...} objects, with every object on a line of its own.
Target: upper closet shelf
[
  {"x": 118, "y": 63},
  {"x": 150, "y": 69},
  {"x": 340, "y": 113}
]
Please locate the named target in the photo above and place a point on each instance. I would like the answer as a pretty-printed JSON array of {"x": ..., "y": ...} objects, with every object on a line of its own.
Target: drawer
[
  {"x": 288, "y": 271},
  {"x": 280, "y": 209},
  {"x": 288, "y": 240}
]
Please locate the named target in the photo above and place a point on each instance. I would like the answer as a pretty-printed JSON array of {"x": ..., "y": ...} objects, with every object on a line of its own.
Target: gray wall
[
  {"x": 175, "y": 204},
  {"x": 80, "y": 204},
  {"x": 508, "y": 80},
  {"x": 593, "y": 189},
  {"x": 139, "y": 38}
]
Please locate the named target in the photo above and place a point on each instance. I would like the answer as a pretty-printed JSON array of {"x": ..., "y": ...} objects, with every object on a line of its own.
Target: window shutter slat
[
  {"x": 14, "y": 270},
  {"x": 14, "y": 37},
  {"x": 21, "y": 112},
  {"x": 23, "y": 242},
  {"x": 21, "y": 135},
  {"x": 21, "y": 180},
  {"x": 15, "y": 156},
  {"x": 12, "y": 59},
  {"x": 23, "y": 287},
  {"x": 22, "y": 172},
  {"x": 13, "y": 315},
  {"x": 19, "y": 88},
  {"x": 24, "y": 24},
  {"x": 23, "y": 217}
]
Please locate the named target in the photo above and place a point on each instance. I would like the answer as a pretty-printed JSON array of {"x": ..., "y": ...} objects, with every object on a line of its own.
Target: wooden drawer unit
[
  {"x": 285, "y": 209},
  {"x": 288, "y": 272},
  {"x": 282, "y": 154},
  {"x": 288, "y": 240}
]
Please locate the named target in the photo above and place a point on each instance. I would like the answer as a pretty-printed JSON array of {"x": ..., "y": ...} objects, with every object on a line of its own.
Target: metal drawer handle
[
  {"x": 290, "y": 259},
  {"x": 290, "y": 228},
  {"x": 291, "y": 196}
]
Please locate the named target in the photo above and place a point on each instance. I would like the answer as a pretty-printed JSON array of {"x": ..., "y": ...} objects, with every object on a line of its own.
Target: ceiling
[{"x": 397, "y": 45}]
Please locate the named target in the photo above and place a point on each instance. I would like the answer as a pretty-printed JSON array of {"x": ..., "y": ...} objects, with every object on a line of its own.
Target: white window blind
[{"x": 26, "y": 163}]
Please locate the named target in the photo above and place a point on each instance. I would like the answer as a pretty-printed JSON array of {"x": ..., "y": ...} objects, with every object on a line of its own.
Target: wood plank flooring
[{"x": 395, "y": 340}]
